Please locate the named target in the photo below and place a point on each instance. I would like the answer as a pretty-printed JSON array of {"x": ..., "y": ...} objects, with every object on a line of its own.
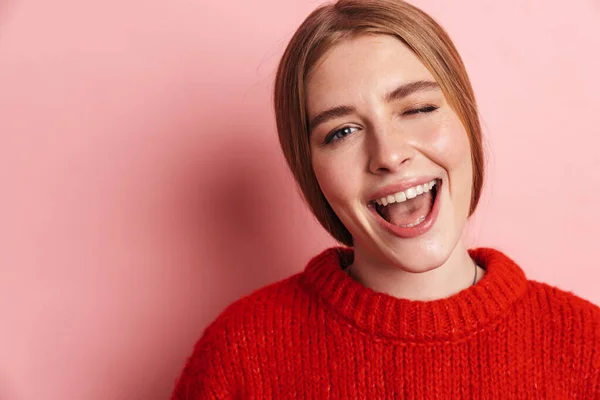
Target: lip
[
  {"x": 401, "y": 186},
  {"x": 414, "y": 231}
]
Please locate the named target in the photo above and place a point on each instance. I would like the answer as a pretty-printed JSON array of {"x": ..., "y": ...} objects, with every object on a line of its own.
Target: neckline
[{"x": 385, "y": 316}]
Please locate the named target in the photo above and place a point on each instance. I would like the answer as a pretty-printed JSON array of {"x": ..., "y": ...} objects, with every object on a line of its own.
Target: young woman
[{"x": 378, "y": 122}]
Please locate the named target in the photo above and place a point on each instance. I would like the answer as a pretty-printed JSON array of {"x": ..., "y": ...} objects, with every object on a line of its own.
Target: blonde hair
[{"x": 333, "y": 23}]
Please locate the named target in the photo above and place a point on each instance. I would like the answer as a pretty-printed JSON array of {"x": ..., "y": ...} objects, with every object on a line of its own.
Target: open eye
[{"x": 340, "y": 134}]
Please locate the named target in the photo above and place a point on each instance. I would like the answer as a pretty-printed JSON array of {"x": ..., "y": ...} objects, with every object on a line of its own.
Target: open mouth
[{"x": 409, "y": 208}]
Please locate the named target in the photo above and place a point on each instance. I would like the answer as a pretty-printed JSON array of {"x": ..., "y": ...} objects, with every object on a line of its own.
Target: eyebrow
[
  {"x": 407, "y": 89},
  {"x": 399, "y": 93}
]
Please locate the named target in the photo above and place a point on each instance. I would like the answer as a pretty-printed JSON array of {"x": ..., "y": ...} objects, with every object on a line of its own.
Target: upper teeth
[{"x": 409, "y": 193}]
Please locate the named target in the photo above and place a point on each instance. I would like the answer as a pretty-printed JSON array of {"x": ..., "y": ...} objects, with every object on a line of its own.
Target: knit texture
[{"x": 321, "y": 335}]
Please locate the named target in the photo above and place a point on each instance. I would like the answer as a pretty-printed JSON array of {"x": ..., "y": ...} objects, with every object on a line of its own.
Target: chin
[{"x": 421, "y": 257}]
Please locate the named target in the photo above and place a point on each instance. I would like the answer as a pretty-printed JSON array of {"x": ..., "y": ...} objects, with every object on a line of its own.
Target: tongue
[{"x": 409, "y": 211}]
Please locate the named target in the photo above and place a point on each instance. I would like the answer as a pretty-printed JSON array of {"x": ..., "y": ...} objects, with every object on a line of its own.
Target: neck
[{"x": 445, "y": 280}]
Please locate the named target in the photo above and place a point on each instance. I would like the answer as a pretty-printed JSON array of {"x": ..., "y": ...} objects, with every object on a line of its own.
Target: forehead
[{"x": 361, "y": 67}]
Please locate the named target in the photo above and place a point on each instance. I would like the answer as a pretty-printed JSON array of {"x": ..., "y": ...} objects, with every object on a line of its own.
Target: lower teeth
[{"x": 417, "y": 222}]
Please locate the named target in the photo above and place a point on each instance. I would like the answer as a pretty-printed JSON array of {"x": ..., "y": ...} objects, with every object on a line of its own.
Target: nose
[{"x": 388, "y": 152}]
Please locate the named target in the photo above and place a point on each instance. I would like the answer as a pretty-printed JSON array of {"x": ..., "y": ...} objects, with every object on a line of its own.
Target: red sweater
[{"x": 320, "y": 335}]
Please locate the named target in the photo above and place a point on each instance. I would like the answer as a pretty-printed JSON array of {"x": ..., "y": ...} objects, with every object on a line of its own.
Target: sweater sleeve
[{"x": 207, "y": 373}]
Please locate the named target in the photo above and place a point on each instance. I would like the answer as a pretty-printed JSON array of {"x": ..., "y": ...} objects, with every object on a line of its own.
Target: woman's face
[{"x": 381, "y": 131}]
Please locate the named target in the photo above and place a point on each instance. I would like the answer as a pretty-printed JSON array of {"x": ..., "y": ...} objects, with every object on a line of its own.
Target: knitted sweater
[{"x": 321, "y": 335}]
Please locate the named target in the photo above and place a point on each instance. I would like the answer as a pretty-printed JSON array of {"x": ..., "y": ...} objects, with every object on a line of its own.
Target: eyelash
[{"x": 331, "y": 137}]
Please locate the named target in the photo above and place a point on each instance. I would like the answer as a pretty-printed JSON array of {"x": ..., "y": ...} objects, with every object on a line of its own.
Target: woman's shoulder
[
  {"x": 274, "y": 303},
  {"x": 569, "y": 316},
  {"x": 569, "y": 325},
  {"x": 568, "y": 303},
  {"x": 240, "y": 333}
]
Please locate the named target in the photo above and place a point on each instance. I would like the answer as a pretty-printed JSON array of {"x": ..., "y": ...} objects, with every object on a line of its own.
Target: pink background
[{"x": 143, "y": 189}]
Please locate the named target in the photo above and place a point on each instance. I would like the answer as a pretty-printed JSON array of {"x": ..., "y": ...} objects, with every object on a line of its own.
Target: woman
[{"x": 378, "y": 122}]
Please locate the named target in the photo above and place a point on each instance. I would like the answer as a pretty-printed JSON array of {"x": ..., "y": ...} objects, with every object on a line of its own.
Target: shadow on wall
[
  {"x": 246, "y": 216},
  {"x": 6, "y": 394},
  {"x": 239, "y": 199}
]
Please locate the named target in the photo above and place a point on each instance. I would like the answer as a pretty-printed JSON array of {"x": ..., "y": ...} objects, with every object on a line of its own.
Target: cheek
[
  {"x": 449, "y": 146},
  {"x": 451, "y": 138},
  {"x": 338, "y": 178}
]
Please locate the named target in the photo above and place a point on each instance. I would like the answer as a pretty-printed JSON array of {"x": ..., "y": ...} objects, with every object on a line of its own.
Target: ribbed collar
[{"x": 383, "y": 315}]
